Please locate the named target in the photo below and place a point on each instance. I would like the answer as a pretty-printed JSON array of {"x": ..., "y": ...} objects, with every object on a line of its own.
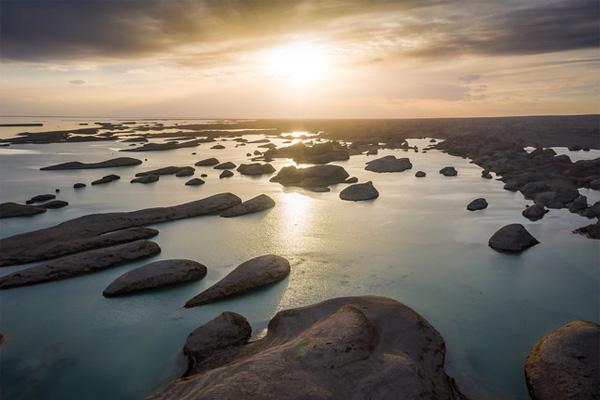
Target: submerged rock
[
  {"x": 106, "y": 179},
  {"x": 225, "y": 165},
  {"x": 79, "y": 264},
  {"x": 65, "y": 238},
  {"x": 256, "y": 169},
  {"x": 388, "y": 164},
  {"x": 12, "y": 210},
  {"x": 252, "y": 274},
  {"x": 477, "y": 204},
  {"x": 359, "y": 192},
  {"x": 115, "y": 162},
  {"x": 146, "y": 179},
  {"x": 154, "y": 275},
  {"x": 565, "y": 365},
  {"x": 448, "y": 171},
  {"x": 226, "y": 174},
  {"x": 209, "y": 162},
  {"x": 534, "y": 212},
  {"x": 512, "y": 238},
  {"x": 54, "y": 204},
  {"x": 420, "y": 174},
  {"x": 259, "y": 203},
  {"x": 311, "y": 177},
  {"x": 194, "y": 182},
  {"x": 344, "y": 348}
]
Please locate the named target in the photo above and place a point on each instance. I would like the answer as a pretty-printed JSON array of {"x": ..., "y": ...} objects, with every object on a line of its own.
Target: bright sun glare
[{"x": 299, "y": 62}]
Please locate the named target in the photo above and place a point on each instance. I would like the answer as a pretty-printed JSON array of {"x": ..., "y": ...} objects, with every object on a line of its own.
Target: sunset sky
[{"x": 325, "y": 59}]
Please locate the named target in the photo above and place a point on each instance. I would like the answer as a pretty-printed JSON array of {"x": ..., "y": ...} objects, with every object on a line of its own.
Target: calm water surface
[{"x": 416, "y": 243}]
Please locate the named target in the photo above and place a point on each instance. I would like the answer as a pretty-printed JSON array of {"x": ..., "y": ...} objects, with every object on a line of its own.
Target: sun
[{"x": 298, "y": 62}]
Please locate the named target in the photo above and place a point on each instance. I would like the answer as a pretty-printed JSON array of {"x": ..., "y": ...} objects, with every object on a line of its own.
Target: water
[{"x": 416, "y": 243}]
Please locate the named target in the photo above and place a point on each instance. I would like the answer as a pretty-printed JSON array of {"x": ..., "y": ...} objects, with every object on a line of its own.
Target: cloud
[{"x": 77, "y": 82}]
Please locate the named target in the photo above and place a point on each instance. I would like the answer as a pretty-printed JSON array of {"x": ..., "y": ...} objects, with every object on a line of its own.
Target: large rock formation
[
  {"x": 11, "y": 210},
  {"x": 388, "y": 164},
  {"x": 115, "y": 162},
  {"x": 252, "y": 274},
  {"x": 66, "y": 237},
  {"x": 512, "y": 238},
  {"x": 565, "y": 365},
  {"x": 79, "y": 264},
  {"x": 315, "y": 176},
  {"x": 154, "y": 275},
  {"x": 256, "y": 204},
  {"x": 344, "y": 348},
  {"x": 359, "y": 192}
]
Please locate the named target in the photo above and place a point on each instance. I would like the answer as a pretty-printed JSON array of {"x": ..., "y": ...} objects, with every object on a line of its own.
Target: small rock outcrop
[
  {"x": 209, "y": 162},
  {"x": 319, "y": 153},
  {"x": 218, "y": 147},
  {"x": 12, "y": 210},
  {"x": 311, "y": 177},
  {"x": 79, "y": 185},
  {"x": 448, "y": 171},
  {"x": 252, "y": 274},
  {"x": 565, "y": 365},
  {"x": 388, "y": 164},
  {"x": 146, "y": 179},
  {"x": 512, "y": 238},
  {"x": 225, "y": 165},
  {"x": 81, "y": 263},
  {"x": 477, "y": 204},
  {"x": 486, "y": 174},
  {"x": 41, "y": 198},
  {"x": 256, "y": 169},
  {"x": 154, "y": 275},
  {"x": 194, "y": 182},
  {"x": 106, "y": 179},
  {"x": 359, "y": 192},
  {"x": 256, "y": 204},
  {"x": 54, "y": 204},
  {"x": 115, "y": 162},
  {"x": 226, "y": 174},
  {"x": 591, "y": 231},
  {"x": 420, "y": 174},
  {"x": 534, "y": 212},
  {"x": 186, "y": 171},
  {"x": 351, "y": 180}
]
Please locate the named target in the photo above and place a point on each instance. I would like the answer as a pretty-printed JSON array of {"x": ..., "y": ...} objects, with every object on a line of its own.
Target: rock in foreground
[
  {"x": 115, "y": 162},
  {"x": 154, "y": 275},
  {"x": 359, "y": 192},
  {"x": 252, "y": 274},
  {"x": 315, "y": 176},
  {"x": 259, "y": 203},
  {"x": 477, "y": 204},
  {"x": 344, "y": 348},
  {"x": 389, "y": 164},
  {"x": 565, "y": 365},
  {"x": 11, "y": 210},
  {"x": 79, "y": 264},
  {"x": 512, "y": 238}
]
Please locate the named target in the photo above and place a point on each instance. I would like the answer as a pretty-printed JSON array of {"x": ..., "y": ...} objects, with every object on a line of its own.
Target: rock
[
  {"x": 146, "y": 179},
  {"x": 226, "y": 174},
  {"x": 248, "y": 154},
  {"x": 595, "y": 184},
  {"x": 318, "y": 189},
  {"x": 260, "y": 141},
  {"x": 267, "y": 146},
  {"x": 169, "y": 145},
  {"x": 218, "y": 147},
  {"x": 255, "y": 169},
  {"x": 534, "y": 212},
  {"x": 203, "y": 175},
  {"x": 259, "y": 203},
  {"x": 351, "y": 180},
  {"x": 106, "y": 179},
  {"x": 574, "y": 147},
  {"x": 477, "y": 204},
  {"x": 320, "y": 153},
  {"x": 591, "y": 231},
  {"x": 115, "y": 162},
  {"x": 79, "y": 185},
  {"x": 66, "y": 238},
  {"x": 565, "y": 364},
  {"x": 257, "y": 153},
  {"x": 420, "y": 174},
  {"x": 194, "y": 182},
  {"x": 486, "y": 174},
  {"x": 252, "y": 274},
  {"x": 372, "y": 151},
  {"x": 209, "y": 162},
  {"x": 225, "y": 165},
  {"x": 432, "y": 141},
  {"x": 344, "y": 348},
  {"x": 359, "y": 192},
  {"x": 40, "y": 198},
  {"x": 591, "y": 212},
  {"x": 185, "y": 171},
  {"x": 512, "y": 238},
  {"x": 154, "y": 275},
  {"x": 311, "y": 177},
  {"x": 12, "y": 210},
  {"x": 57, "y": 190},
  {"x": 448, "y": 171},
  {"x": 54, "y": 204},
  {"x": 579, "y": 204},
  {"x": 214, "y": 341},
  {"x": 81, "y": 263},
  {"x": 388, "y": 164}
]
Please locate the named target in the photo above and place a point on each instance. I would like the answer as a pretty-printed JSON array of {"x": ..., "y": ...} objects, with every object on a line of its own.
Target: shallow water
[{"x": 416, "y": 243}]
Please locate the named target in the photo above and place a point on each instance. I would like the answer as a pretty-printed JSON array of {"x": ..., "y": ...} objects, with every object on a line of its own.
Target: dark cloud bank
[{"x": 33, "y": 30}]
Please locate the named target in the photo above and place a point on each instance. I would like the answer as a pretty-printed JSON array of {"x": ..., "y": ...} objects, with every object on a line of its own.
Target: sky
[{"x": 299, "y": 58}]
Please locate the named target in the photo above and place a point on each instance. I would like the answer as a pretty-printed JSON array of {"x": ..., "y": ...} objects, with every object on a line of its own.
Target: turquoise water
[{"x": 416, "y": 243}]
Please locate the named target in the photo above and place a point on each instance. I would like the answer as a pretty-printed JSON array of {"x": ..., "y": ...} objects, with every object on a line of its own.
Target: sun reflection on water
[{"x": 296, "y": 210}]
